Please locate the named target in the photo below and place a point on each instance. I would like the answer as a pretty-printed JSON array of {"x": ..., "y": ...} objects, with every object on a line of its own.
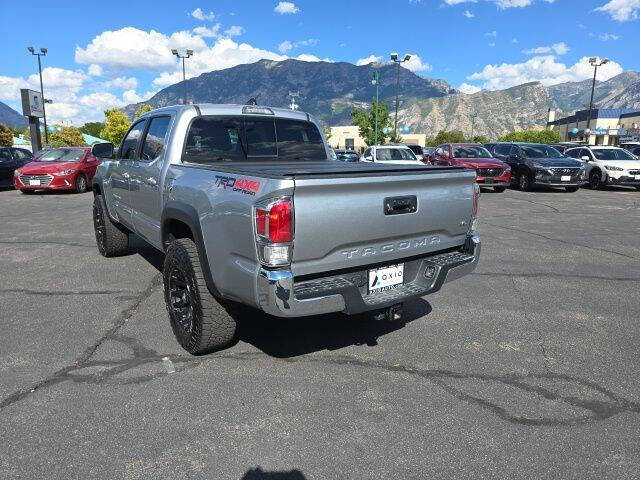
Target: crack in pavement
[
  {"x": 80, "y": 361},
  {"x": 564, "y": 242},
  {"x": 555, "y": 275},
  {"x": 535, "y": 203},
  {"x": 106, "y": 372},
  {"x": 64, "y": 293},
  {"x": 546, "y": 358},
  {"x": 67, "y": 244}
]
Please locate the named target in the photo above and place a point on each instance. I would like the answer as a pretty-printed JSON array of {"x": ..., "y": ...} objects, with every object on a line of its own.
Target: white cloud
[
  {"x": 417, "y": 65},
  {"x": 306, "y": 57},
  {"x": 544, "y": 69},
  {"x": 208, "y": 32},
  {"x": 131, "y": 48},
  {"x": 491, "y": 44},
  {"x": 468, "y": 14},
  {"x": 457, "y": 2},
  {"x": 95, "y": 70},
  {"x": 368, "y": 60},
  {"x": 608, "y": 36},
  {"x": 123, "y": 82},
  {"x": 224, "y": 53},
  {"x": 288, "y": 45},
  {"x": 513, "y": 3},
  {"x": 557, "y": 48},
  {"x": 492, "y": 34},
  {"x": 468, "y": 88},
  {"x": 198, "y": 14},
  {"x": 622, "y": 10},
  {"x": 285, "y": 46},
  {"x": 284, "y": 8},
  {"x": 234, "y": 31},
  {"x": 514, "y": 40}
]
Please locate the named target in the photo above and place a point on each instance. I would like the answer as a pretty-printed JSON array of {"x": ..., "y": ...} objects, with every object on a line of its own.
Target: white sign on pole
[{"x": 32, "y": 103}]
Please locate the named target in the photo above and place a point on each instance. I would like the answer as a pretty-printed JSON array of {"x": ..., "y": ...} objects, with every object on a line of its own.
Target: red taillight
[
  {"x": 476, "y": 198},
  {"x": 273, "y": 223}
]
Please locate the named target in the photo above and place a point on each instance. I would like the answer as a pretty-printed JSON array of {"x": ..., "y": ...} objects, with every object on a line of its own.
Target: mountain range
[
  {"x": 8, "y": 116},
  {"x": 330, "y": 91}
]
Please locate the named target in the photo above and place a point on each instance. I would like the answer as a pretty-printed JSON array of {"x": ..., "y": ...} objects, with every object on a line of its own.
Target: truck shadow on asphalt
[{"x": 259, "y": 474}]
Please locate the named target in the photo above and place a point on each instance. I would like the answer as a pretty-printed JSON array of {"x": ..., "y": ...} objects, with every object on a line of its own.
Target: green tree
[
  {"x": 366, "y": 122},
  {"x": 534, "y": 136},
  {"x": 116, "y": 124},
  {"x": 326, "y": 131},
  {"x": 455, "y": 136},
  {"x": 480, "y": 139},
  {"x": 66, "y": 137},
  {"x": 6, "y": 136},
  {"x": 92, "y": 128},
  {"x": 142, "y": 109}
]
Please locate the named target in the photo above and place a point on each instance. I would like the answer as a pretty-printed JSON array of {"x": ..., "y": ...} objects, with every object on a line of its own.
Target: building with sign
[
  {"x": 348, "y": 137},
  {"x": 607, "y": 126}
]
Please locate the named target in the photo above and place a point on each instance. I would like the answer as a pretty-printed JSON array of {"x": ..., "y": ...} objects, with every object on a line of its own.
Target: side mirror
[
  {"x": 102, "y": 150},
  {"x": 585, "y": 158}
]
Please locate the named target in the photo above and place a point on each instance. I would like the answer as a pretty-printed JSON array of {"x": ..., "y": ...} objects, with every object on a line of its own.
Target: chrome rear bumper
[{"x": 280, "y": 296}]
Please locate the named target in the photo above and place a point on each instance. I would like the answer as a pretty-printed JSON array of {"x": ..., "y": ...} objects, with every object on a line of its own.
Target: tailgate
[{"x": 341, "y": 222}]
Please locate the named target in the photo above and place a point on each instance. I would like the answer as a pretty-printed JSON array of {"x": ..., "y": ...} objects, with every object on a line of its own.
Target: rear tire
[
  {"x": 499, "y": 189},
  {"x": 524, "y": 181},
  {"x": 199, "y": 321},
  {"x": 571, "y": 189},
  {"x": 112, "y": 239},
  {"x": 80, "y": 185}
]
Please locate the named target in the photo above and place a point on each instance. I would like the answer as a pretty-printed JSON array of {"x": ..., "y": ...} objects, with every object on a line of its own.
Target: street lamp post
[
  {"x": 376, "y": 82},
  {"x": 595, "y": 64},
  {"x": 184, "y": 78},
  {"x": 43, "y": 52},
  {"x": 394, "y": 57},
  {"x": 473, "y": 121}
]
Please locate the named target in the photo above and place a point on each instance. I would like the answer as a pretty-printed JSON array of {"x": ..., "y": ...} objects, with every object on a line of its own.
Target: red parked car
[
  {"x": 490, "y": 171},
  {"x": 66, "y": 168}
]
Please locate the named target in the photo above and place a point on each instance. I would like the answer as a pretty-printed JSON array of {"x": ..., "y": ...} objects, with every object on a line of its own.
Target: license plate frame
[
  {"x": 489, "y": 179},
  {"x": 385, "y": 278}
]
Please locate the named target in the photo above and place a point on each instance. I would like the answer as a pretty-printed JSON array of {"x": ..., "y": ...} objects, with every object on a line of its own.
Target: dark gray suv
[{"x": 537, "y": 164}]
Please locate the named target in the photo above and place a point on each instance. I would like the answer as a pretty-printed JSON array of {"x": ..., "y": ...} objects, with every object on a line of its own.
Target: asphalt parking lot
[{"x": 526, "y": 369}]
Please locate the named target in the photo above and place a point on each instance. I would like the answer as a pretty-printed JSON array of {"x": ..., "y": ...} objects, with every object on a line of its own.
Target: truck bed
[{"x": 325, "y": 169}]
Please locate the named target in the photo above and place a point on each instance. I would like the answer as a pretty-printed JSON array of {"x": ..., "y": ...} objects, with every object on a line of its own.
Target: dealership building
[
  {"x": 608, "y": 126},
  {"x": 348, "y": 137}
]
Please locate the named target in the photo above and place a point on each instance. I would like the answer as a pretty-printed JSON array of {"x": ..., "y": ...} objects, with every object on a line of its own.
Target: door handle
[{"x": 152, "y": 181}]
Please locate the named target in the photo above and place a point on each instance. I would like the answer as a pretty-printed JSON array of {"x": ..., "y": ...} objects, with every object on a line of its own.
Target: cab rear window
[{"x": 228, "y": 139}]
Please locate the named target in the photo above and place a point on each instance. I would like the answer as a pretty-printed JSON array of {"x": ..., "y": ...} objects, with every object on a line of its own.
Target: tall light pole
[
  {"x": 42, "y": 53},
  {"x": 473, "y": 121},
  {"x": 394, "y": 57},
  {"x": 595, "y": 64},
  {"x": 376, "y": 81},
  {"x": 184, "y": 78}
]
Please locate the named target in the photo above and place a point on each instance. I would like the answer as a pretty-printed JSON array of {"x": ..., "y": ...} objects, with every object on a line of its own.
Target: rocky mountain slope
[
  {"x": 8, "y": 116},
  {"x": 496, "y": 112},
  {"x": 328, "y": 91},
  {"x": 571, "y": 96}
]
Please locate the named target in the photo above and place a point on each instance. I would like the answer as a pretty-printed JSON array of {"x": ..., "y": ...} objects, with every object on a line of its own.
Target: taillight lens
[
  {"x": 273, "y": 221},
  {"x": 274, "y": 231}
]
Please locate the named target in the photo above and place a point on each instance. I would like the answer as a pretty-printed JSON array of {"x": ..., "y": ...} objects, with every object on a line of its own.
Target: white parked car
[
  {"x": 396, "y": 154},
  {"x": 608, "y": 165}
]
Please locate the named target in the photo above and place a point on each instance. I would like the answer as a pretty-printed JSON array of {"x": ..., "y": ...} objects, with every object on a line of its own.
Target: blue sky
[{"x": 106, "y": 54}]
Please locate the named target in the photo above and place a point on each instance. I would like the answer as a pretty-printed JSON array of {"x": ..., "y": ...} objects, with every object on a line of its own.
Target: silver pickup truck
[{"x": 248, "y": 207}]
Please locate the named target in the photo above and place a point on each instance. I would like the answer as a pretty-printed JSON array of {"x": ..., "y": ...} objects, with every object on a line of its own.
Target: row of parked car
[
  {"x": 66, "y": 168},
  {"x": 525, "y": 165}
]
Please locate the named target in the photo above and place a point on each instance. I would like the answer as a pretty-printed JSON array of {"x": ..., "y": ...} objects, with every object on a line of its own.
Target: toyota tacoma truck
[{"x": 248, "y": 208}]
